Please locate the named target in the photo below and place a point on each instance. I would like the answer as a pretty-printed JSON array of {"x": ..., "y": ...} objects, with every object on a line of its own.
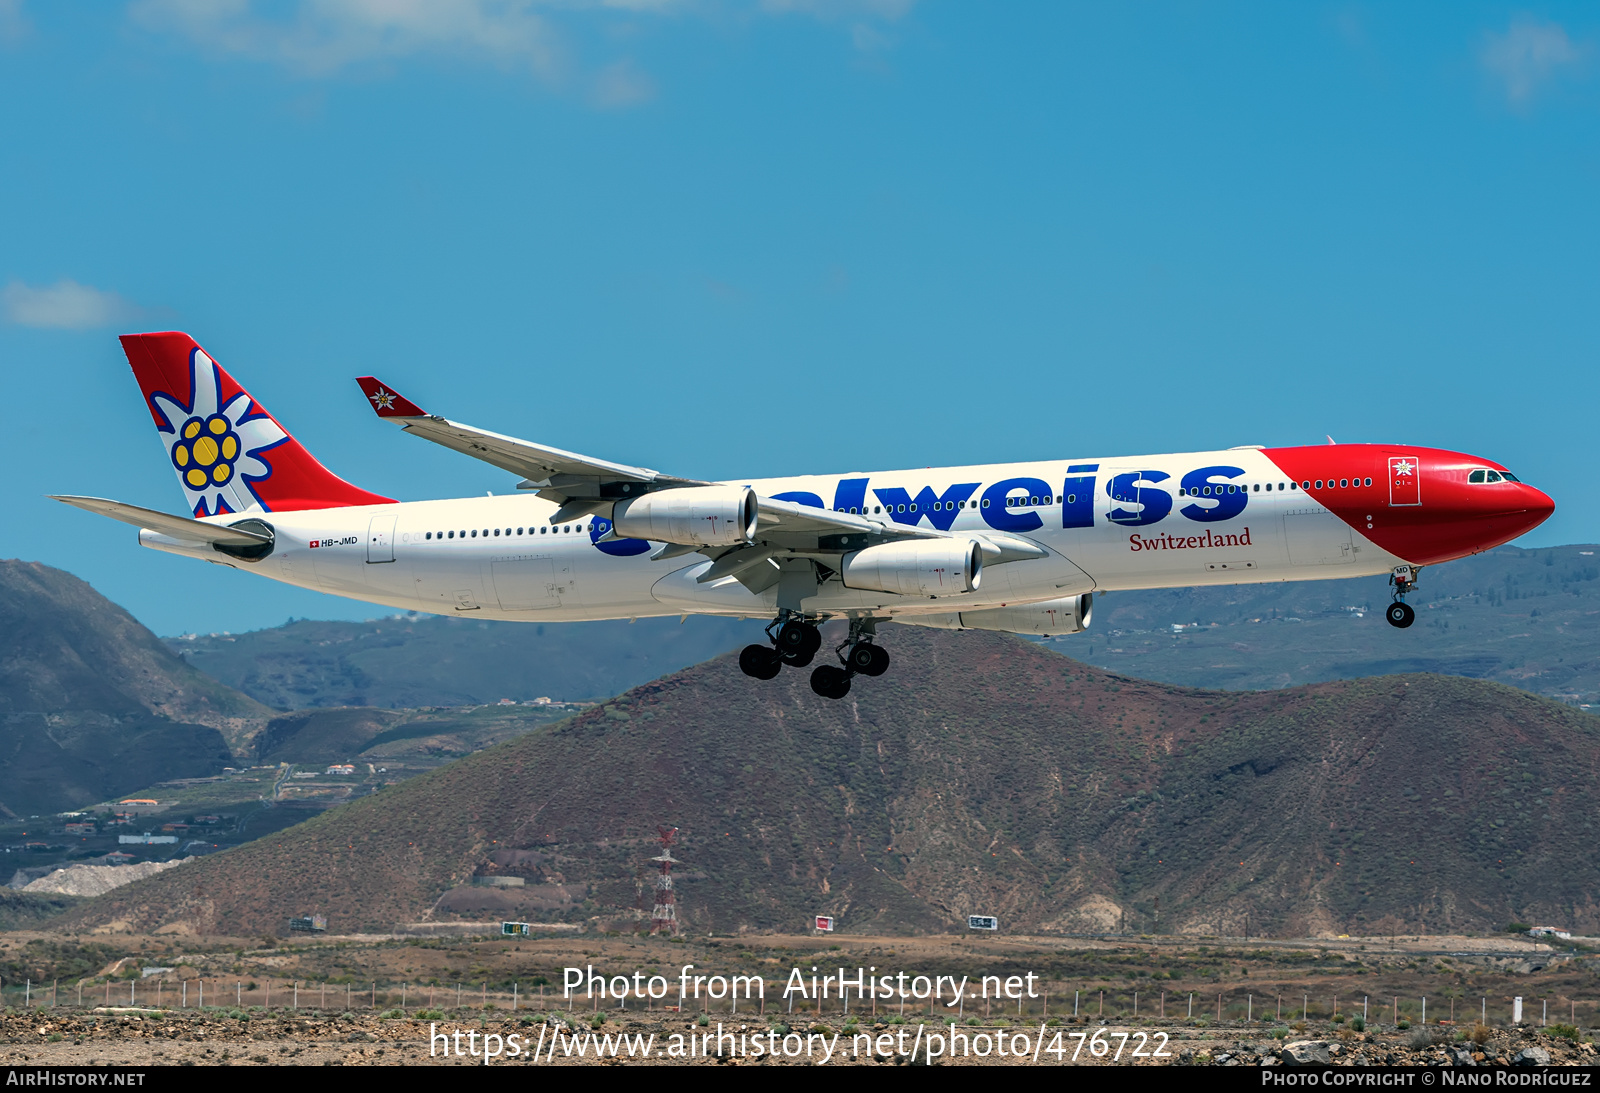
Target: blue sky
[{"x": 732, "y": 239}]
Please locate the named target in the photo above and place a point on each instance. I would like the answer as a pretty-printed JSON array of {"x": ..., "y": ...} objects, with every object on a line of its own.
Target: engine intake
[
  {"x": 918, "y": 567},
  {"x": 690, "y": 516}
]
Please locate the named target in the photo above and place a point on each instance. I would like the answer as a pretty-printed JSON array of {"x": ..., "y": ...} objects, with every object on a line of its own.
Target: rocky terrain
[
  {"x": 983, "y": 774},
  {"x": 119, "y": 1036},
  {"x": 97, "y": 880}
]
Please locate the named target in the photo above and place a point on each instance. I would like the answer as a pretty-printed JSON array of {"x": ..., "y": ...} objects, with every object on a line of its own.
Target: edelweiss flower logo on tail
[{"x": 216, "y": 450}]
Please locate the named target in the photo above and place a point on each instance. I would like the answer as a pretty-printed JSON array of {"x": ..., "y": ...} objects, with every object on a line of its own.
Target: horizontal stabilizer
[{"x": 178, "y": 527}]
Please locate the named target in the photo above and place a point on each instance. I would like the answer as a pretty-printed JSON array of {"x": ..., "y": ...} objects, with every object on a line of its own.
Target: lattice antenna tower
[{"x": 664, "y": 915}]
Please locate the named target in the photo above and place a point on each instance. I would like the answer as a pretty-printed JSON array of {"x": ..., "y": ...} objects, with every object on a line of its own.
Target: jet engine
[
  {"x": 690, "y": 516},
  {"x": 1067, "y": 615},
  {"x": 917, "y": 567}
]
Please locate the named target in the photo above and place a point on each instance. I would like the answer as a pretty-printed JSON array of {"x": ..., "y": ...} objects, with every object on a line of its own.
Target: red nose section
[{"x": 1425, "y": 505}]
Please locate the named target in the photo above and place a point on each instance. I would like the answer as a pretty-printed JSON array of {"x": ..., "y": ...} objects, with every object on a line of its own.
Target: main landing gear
[
  {"x": 1403, "y": 580},
  {"x": 797, "y": 642}
]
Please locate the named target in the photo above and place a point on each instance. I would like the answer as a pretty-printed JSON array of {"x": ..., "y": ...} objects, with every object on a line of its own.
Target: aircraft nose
[{"x": 1539, "y": 506}]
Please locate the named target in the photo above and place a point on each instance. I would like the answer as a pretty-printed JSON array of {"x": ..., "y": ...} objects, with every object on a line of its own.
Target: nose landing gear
[{"x": 1402, "y": 580}]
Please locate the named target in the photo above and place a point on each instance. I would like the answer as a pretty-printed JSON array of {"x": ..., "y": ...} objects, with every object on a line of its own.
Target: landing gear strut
[
  {"x": 794, "y": 644},
  {"x": 795, "y": 641},
  {"x": 1403, "y": 580},
  {"x": 858, "y": 654}
]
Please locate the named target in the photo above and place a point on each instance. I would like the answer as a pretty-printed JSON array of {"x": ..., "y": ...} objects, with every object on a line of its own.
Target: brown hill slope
[
  {"x": 92, "y": 704},
  {"x": 982, "y": 774}
]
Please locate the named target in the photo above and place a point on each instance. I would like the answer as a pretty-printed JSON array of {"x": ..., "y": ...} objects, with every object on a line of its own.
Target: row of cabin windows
[
  {"x": 565, "y": 529},
  {"x": 1026, "y": 502},
  {"x": 1217, "y": 491},
  {"x": 1072, "y": 499}
]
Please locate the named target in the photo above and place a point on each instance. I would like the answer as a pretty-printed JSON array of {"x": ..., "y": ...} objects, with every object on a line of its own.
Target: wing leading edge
[{"x": 583, "y": 485}]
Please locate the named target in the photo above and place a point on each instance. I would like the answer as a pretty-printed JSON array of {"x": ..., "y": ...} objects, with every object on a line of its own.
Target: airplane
[{"x": 1019, "y": 547}]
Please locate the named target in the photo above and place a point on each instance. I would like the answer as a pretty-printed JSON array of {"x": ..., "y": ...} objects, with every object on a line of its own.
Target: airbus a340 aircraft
[{"x": 1021, "y": 547}]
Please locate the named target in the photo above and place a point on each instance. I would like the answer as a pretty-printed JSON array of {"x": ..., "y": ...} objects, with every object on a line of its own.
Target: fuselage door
[
  {"x": 1405, "y": 481},
  {"x": 380, "y": 539}
]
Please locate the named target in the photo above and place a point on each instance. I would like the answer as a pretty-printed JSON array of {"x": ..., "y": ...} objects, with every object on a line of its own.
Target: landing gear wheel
[
  {"x": 868, "y": 659},
  {"x": 798, "y": 642},
  {"x": 1400, "y": 614},
  {"x": 830, "y": 682},
  {"x": 759, "y": 661}
]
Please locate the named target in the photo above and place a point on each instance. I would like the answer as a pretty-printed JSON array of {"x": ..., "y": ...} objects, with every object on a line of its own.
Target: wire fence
[{"x": 917, "y": 996}]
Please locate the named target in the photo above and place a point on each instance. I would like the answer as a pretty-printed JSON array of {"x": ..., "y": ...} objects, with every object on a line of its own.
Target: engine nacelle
[
  {"x": 690, "y": 516},
  {"x": 917, "y": 567},
  {"x": 1067, "y": 615}
]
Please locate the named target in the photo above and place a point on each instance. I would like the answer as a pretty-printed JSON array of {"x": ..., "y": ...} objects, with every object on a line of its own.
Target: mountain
[
  {"x": 1529, "y": 618},
  {"x": 982, "y": 774},
  {"x": 1524, "y": 617},
  {"x": 409, "y": 661},
  {"x": 93, "y": 705}
]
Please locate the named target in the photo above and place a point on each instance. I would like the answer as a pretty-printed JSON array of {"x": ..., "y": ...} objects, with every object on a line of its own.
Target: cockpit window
[{"x": 1482, "y": 475}]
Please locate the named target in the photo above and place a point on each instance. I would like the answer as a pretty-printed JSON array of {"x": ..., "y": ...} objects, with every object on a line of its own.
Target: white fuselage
[{"x": 499, "y": 557}]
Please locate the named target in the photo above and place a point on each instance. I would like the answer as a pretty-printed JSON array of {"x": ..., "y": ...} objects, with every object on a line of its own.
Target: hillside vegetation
[
  {"x": 92, "y": 704},
  {"x": 983, "y": 774},
  {"x": 1530, "y": 618}
]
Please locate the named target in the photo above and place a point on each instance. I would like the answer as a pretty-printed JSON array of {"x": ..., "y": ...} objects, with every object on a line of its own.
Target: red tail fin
[{"x": 230, "y": 455}]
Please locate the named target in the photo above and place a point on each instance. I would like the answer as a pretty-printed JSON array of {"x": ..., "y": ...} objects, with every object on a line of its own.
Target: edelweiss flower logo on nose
[{"x": 216, "y": 449}]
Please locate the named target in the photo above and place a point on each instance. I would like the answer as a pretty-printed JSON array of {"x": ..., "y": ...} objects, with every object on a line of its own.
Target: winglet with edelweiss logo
[{"x": 387, "y": 402}]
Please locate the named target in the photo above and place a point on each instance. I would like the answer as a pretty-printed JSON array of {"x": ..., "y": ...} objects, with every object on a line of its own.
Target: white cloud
[
  {"x": 1528, "y": 55},
  {"x": 622, "y": 85},
  {"x": 14, "y": 25},
  {"x": 317, "y": 37},
  {"x": 65, "y": 305}
]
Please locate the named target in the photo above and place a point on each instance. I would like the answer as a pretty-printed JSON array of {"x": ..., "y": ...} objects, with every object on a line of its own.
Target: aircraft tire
[
  {"x": 1400, "y": 615},
  {"x": 759, "y": 662},
  {"x": 830, "y": 682},
  {"x": 799, "y": 640},
  {"x": 868, "y": 659}
]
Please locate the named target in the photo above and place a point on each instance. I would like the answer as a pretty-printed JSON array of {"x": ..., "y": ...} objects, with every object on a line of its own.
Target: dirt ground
[
  {"x": 109, "y": 1038},
  {"x": 384, "y": 995}
]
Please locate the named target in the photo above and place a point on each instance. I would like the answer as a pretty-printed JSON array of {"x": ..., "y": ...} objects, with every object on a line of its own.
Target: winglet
[{"x": 386, "y": 402}]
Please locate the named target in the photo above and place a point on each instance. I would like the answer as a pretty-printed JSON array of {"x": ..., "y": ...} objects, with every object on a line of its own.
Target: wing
[
  {"x": 581, "y": 484},
  {"x": 178, "y": 527}
]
